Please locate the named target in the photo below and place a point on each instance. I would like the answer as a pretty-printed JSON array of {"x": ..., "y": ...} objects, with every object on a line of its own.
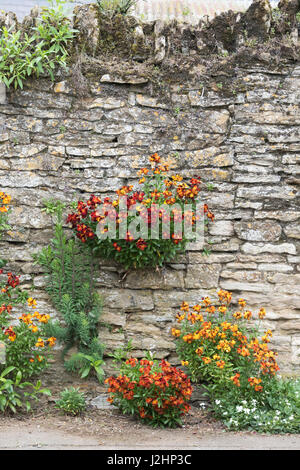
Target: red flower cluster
[
  {"x": 154, "y": 390},
  {"x": 12, "y": 281},
  {"x": 161, "y": 208},
  {"x": 10, "y": 333}
]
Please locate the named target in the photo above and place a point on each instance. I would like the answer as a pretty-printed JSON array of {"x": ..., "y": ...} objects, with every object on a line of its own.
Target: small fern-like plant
[{"x": 70, "y": 272}]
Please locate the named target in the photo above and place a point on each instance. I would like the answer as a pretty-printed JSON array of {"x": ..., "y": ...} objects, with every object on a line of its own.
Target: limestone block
[
  {"x": 249, "y": 248},
  {"x": 292, "y": 230},
  {"x": 2, "y": 93},
  {"x": 150, "y": 279},
  {"x": 258, "y": 231},
  {"x": 202, "y": 276}
]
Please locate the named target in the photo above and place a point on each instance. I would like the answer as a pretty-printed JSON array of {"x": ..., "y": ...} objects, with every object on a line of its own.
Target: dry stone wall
[{"x": 241, "y": 134}]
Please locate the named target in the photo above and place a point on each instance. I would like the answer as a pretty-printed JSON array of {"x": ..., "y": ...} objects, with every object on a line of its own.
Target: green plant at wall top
[
  {"x": 40, "y": 50},
  {"x": 115, "y": 7},
  {"x": 70, "y": 284}
]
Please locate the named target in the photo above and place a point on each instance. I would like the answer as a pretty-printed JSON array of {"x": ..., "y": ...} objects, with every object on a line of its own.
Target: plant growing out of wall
[
  {"x": 70, "y": 270},
  {"x": 146, "y": 227},
  {"x": 39, "y": 51},
  {"x": 115, "y": 7}
]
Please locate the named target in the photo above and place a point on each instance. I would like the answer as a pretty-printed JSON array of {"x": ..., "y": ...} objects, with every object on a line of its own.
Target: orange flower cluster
[
  {"x": 154, "y": 390},
  {"x": 12, "y": 282},
  {"x": 4, "y": 202},
  {"x": 11, "y": 291},
  {"x": 10, "y": 333},
  {"x": 254, "y": 382},
  {"x": 218, "y": 338}
]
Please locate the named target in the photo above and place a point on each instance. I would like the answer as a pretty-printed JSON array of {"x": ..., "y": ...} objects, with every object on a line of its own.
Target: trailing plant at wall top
[
  {"x": 40, "y": 50},
  {"x": 70, "y": 269},
  {"x": 146, "y": 227}
]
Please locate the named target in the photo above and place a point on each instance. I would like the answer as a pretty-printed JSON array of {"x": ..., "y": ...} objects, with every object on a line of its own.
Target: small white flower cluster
[{"x": 253, "y": 415}]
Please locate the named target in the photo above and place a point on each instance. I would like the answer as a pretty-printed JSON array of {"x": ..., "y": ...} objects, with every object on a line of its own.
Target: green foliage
[
  {"x": 210, "y": 187},
  {"x": 115, "y": 7},
  {"x": 53, "y": 207},
  {"x": 226, "y": 351},
  {"x": 12, "y": 396},
  {"x": 70, "y": 284},
  {"x": 71, "y": 401},
  {"x": 23, "y": 353},
  {"x": 39, "y": 51},
  {"x": 121, "y": 354},
  {"x": 85, "y": 364},
  {"x": 276, "y": 411}
]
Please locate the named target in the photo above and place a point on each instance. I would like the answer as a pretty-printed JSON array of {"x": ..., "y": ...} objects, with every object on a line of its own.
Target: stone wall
[{"x": 232, "y": 117}]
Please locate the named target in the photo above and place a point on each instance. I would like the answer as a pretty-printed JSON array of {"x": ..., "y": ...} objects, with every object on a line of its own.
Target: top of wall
[
  {"x": 127, "y": 50},
  {"x": 189, "y": 11}
]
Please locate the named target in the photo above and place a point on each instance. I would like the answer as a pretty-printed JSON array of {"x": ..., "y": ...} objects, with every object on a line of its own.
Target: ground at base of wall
[{"x": 48, "y": 429}]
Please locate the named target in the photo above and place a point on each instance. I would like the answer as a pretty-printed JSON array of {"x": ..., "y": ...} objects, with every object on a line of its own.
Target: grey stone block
[{"x": 2, "y": 93}]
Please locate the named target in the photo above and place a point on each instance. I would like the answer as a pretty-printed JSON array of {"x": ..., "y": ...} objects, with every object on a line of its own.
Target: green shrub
[
  {"x": 276, "y": 411},
  {"x": 86, "y": 364},
  {"x": 25, "y": 339},
  {"x": 71, "y": 401},
  {"x": 223, "y": 349},
  {"x": 39, "y": 51},
  {"x": 15, "y": 394}
]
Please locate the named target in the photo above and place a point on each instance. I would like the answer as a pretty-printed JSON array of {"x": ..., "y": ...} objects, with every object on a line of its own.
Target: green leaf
[
  {"x": 7, "y": 371},
  {"x": 85, "y": 372}
]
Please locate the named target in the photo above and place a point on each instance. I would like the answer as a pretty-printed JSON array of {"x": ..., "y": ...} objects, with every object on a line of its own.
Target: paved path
[
  {"x": 187, "y": 10},
  {"x": 25, "y": 436}
]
